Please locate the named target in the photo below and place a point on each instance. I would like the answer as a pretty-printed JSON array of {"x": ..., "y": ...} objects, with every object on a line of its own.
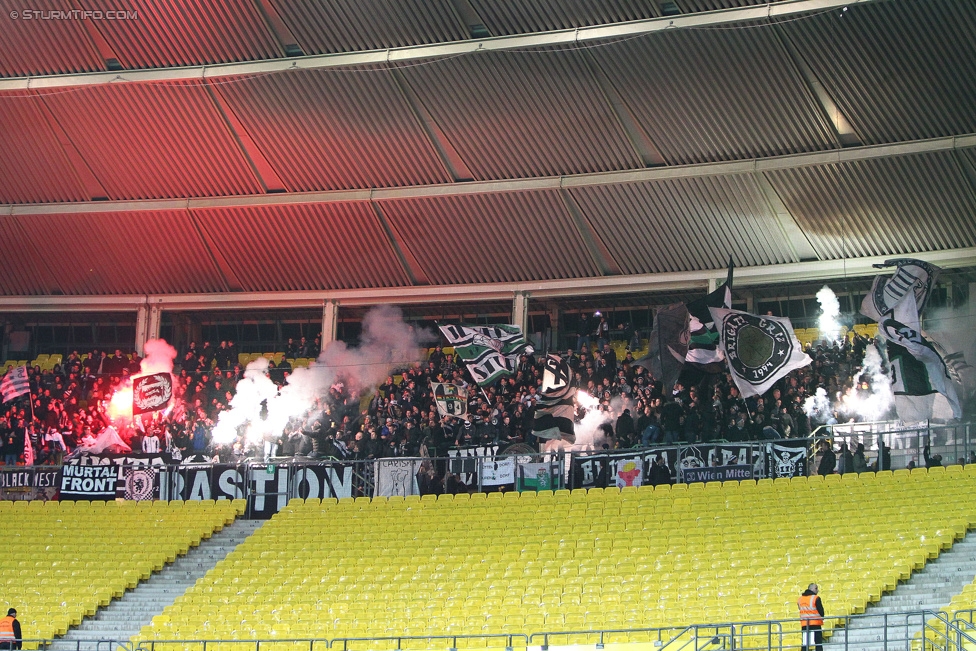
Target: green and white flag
[
  {"x": 917, "y": 370},
  {"x": 489, "y": 352},
  {"x": 451, "y": 399},
  {"x": 759, "y": 349},
  {"x": 534, "y": 477}
]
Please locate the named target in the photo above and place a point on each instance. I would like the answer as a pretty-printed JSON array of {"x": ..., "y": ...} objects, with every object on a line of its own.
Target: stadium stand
[
  {"x": 63, "y": 560},
  {"x": 571, "y": 561}
]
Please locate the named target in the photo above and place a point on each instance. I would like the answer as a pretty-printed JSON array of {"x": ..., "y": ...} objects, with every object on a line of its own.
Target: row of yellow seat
[
  {"x": 63, "y": 560},
  {"x": 649, "y": 557}
]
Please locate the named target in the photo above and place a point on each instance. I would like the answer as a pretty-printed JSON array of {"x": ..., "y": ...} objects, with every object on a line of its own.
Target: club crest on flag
[
  {"x": 151, "y": 392},
  {"x": 451, "y": 400},
  {"x": 756, "y": 347}
]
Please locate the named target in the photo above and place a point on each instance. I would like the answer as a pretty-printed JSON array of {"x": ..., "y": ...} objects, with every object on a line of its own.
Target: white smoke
[
  {"x": 828, "y": 324},
  {"x": 818, "y": 406},
  {"x": 386, "y": 342},
  {"x": 872, "y": 403}
]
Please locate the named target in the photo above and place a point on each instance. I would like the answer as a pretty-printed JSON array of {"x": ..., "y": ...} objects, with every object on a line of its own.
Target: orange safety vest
[
  {"x": 7, "y": 628},
  {"x": 809, "y": 615}
]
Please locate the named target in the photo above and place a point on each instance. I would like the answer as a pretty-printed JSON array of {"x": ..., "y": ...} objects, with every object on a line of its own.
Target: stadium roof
[{"x": 418, "y": 148}]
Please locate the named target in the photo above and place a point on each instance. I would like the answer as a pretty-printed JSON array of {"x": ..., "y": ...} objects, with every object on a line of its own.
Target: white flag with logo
[{"x": 759, "y": 349}]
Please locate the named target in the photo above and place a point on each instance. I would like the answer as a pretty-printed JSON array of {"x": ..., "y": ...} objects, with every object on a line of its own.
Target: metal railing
[{"x": 905, "y": 631}]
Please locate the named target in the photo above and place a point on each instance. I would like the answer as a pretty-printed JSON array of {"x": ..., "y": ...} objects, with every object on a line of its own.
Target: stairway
[
  {"x": 929, "y": 589},
  {"x": 125, "y": 617}
]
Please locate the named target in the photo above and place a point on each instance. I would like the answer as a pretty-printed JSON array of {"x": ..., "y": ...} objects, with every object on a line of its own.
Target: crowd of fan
[{"x": 70, "y": 406}]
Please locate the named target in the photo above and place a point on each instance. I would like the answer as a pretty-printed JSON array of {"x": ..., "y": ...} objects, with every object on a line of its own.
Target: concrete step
[
  {"x": 125, "y": 617},
  {"x": 885, "y": 626}
]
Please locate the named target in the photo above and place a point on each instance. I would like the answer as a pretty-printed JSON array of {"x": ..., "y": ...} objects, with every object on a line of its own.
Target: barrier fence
[
  {"x": 904, "y": 631},
  {"x": 268, "y": 485}
]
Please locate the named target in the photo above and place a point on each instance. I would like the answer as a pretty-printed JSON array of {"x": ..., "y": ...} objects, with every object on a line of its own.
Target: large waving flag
[
  {"x": 704, "y": 352},
  {"x": 915, "y": 277},
  {"x": 554, "y": 415},
  {"x": 668, "y": 346},
  {"x": 15, "y": 383},
  {"x": 489, "y": 352},
  {"x": 759, "y": 349}
]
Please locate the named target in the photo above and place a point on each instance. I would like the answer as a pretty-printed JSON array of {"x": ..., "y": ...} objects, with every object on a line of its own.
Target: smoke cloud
[
  {"x": 264, "y": 410},
  {"x": 828, "y": 323},
  {"x": 875, "y": 401},
  {"x": 818, "y": 407},
  {"x": 159, "y": 357}
]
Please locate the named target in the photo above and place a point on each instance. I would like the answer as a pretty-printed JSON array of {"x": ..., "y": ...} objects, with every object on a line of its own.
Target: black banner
[
  {"x": 719, "y": 473},
  {"x": 28, "y": 477},
  {"x": 787, "y": 458},
  {"x": 600, "y": 470},
  {"x": 699, "y": 457},
  {"x": 89, "y": 482},
  {"x": 266, "y": 487},
  {"x": 464, "y": 462}
]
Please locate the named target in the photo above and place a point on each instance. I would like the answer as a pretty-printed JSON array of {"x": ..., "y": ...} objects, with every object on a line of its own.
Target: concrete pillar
[
  {"x": 750, "y": 303},
  {"x": 330, "y": 321},
  {"x": 520, "y": 311},
  {"x": 553, "y": 311},
  {"x": 142, "y": 325},
  {"x": 712, "y": 285},
  {"x": 155, "y": 322}
]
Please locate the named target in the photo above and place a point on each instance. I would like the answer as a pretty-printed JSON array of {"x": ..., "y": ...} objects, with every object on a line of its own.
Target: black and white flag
[
  {"x": 913, "y": 276},
  {"x": 554, "y": 415},
  {"x": 451, "y": 400},
  {"x": 759, "y": 349}
]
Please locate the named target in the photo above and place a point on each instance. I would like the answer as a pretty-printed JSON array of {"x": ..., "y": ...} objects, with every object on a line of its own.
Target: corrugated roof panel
[
  {"x": 351, "y": 25},
  {"x": 304, "y": 246},
  {"x": 33, "y": 167},
  {"x": 336, "y": 129},
  {"x": 881, "y": 207},
  {"x": 522, "y": 114},
  {"x": 31, "y": 45},
  {"x": 685, "y": 224},
  {"x": 167, "y": 33},
  {"x": 491, "y": 238},
  {"x": 717, "y": 94},
  {"x": 24, "y": 269},
  {"x": 146, "y": 141},
  {"x": 530, "y": 16},
  {"x": 897, "y": 70},
  {"x": 123, "y": 253}
]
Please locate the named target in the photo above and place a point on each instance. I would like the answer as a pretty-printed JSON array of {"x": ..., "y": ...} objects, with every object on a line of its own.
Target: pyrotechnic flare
[
  {"x": 871, "y": 397},
  {"x": 828, "y": 324},
  {"x": 387, "y": 342},
  {"x": 159, "y": 359}
]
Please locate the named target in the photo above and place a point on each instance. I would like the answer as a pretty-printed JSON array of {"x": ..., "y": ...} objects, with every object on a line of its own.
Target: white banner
[{"x": 396, "y": 477}]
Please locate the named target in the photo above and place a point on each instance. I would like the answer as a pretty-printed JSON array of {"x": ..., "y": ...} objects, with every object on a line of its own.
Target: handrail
[{"x": 735, "y": 632}]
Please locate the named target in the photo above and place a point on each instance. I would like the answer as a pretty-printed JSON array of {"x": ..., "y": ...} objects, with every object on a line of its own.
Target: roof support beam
[
  {"x": 793, "y": 235},
  {"x": 576, "y": 36},
  {"x": 574, "y": 287},
  {"x": 751, "y": 166}
]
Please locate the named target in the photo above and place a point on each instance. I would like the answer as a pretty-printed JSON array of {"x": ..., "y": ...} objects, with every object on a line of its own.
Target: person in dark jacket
[
  {"x": 10, "y": 633},
  {"x": 828, "y": 461},
  {"x": 659, "y": 474},
  {"x": 625, "y": 429}
]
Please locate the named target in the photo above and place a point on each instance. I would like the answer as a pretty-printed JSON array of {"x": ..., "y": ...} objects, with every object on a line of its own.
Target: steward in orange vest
[
  {"x": 811, "y": 619},
  {"x": 10, "y": 636}
]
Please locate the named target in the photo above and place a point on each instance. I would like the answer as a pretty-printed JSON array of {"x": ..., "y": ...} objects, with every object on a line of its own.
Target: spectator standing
[
  {"x": 811, "y": 619},
  {"x": 11, "y": 636}
]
